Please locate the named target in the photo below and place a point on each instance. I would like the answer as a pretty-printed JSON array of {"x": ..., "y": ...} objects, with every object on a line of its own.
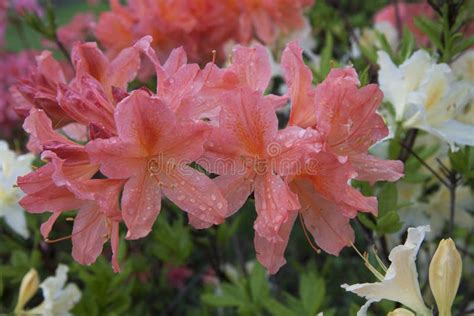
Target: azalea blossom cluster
[
  {"x": 141, "y": 146},
  {"x": 200, "y": 26}
]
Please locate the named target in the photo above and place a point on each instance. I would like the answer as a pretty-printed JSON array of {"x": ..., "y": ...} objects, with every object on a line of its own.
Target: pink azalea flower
[
  {"x": 65, "y": 184},
  {"x": 344, "y": 114},
  {"x": 152, "y": 152},
  {"x": 345, "y": 117},
  {"x": 177, "y": 276},
  {"x": 88, "y": 98},
  {"x": 267, "y": 18},
  {"x": 407, "y": 13},
  {"x": 200, "y": 26},
  {"x": 251, "y": 155},
  {"x": 77, "y": 29},
  {"x": 12, "y": 66},
  {"x": 194, "y": 94}
]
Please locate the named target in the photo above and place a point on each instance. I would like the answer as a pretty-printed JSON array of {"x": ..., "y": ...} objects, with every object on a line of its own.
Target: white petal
[
  {"x": 455, "y": 132},
  {"x": 400, "y": 283},
  {"x": 15, "y": 218},
  {"x": 57, "y": 299},
  {"x": 398, "y": 82}
]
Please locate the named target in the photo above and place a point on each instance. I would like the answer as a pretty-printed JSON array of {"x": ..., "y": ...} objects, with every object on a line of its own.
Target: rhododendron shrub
[
  {"x": 145, "y": 143},
  {"x": 236, "y": 157},
  {"x": 200, "y": 26}
]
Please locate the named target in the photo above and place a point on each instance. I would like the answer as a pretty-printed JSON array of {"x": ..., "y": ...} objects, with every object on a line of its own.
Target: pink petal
[
  {"x": 323, "y": 219},
  {"x": 141, "y": 204},
  {"x": 271, "y": 254},
  {"x": 89, "y": 60},
  {"x": 88, "y": 105},
  {"x": 194, "y": 193},
  {"x": 89, "y": 234},
  {"x": 43, "y": 195},
  {"x": 373, "y": 169},
  {"x": 187, "y": 142},
  {"x": 39, "y": 126},
  {"x": 144, "y": 120},
  {"x": 50, "y": 67},
  {"x": 235, "y": 189},
  {"x": 252, "y": 66},
  {"x": 273, "y": 201},
  {"x": 250, "y": 118},
  {"x": 122, "y": 69},
  {"x": 117, "y": 160},
  {"x": 114, "y": 242},
  {"x": 299, "y": 79},
  {"x": 291, "y": 147},
  {"x": 47, "y": 226}
]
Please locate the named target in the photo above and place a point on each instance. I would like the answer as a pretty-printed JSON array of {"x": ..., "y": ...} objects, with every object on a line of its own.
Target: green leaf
[
  {"x": 407, "y": 45},
  {"x": 312, "y": 291},
  {"x": 389, "y": 223},
  {"x": 258, "y": 283},
  {"x": 326, "y": 55},
  {"x": 387, "y": 198},
  {"x": 221, "y": 300},
  {"x": 364, "y": 76},
  {"x": 431, "y": 29},
  {"x": 278, "y": 309},
  {"x": 366, "y": 221}
]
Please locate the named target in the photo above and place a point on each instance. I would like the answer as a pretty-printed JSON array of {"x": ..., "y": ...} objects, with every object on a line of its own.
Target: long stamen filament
[
  {"x": 368, "y": 265},
  {"x": 318, "y": 251}
]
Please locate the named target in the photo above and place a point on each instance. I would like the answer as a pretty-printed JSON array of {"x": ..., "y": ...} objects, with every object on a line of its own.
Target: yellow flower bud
[
  {"x": 445, "y": 275},
  {"x": 400, "y": 312},
  {"x": 28, "y": 288}
]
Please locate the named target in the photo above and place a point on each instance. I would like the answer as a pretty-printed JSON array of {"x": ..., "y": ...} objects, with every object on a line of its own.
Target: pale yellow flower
[
  {"x": 29, "y": 286},
  {"x": 445, "y": 275}
]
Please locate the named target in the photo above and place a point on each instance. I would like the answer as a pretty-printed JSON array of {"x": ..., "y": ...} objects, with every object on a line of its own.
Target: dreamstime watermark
[{"x": 276, "y": 160}]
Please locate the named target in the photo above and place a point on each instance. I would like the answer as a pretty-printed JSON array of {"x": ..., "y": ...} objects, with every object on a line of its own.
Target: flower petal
[
  {"x": 141, "y": 204},
  {"x": 271, "y": 254},
  {"x": 194, "y": 193},
  {"x": 299, "y": 79},
  {"x": 324, "y": 219}
]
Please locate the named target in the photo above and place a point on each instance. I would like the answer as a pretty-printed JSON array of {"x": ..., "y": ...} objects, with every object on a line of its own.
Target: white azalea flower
[
  {"x": 438, "y": 209},
  {"x": 398, "y": 82},
  {"x": 463, "y": 67},
  {"x": 427, "y": 96},
  {"x": 59, "y": 298},
  {"x": 400, "y": 283},
  {"x": 368, "y": 37},
  {"x": 11, "y": 167}
]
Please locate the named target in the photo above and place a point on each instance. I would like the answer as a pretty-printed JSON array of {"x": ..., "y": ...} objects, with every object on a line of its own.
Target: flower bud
[
  {"x": 400, "y": 312},
  {"x": 28, "y": 288},
  {"x": 445, "y": 275}
]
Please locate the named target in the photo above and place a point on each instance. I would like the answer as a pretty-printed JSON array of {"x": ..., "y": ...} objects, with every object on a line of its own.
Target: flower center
[{"x": 154, "y": 166}]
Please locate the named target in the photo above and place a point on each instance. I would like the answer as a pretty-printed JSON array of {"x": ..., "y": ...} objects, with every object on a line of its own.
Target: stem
[
  {"x": 63, "y": 50},
  {"x": 441, "y": 179},
  {"x": 452, "y": 200},
  {"x": 408, "y": 144}
]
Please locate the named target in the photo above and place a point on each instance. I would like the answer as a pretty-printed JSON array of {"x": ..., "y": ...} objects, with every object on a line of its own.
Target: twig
[
  {"x": 452, "y": 200},
  {"x": 408, "y": 144},
  {"x": 441, "y": 179},
  {"x": 63, "y": 50}
]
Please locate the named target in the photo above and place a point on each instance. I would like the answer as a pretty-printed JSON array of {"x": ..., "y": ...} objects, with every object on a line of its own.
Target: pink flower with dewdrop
[
  {"x": 344, "y": 116},
  {"x": 152, "y": 152}
]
